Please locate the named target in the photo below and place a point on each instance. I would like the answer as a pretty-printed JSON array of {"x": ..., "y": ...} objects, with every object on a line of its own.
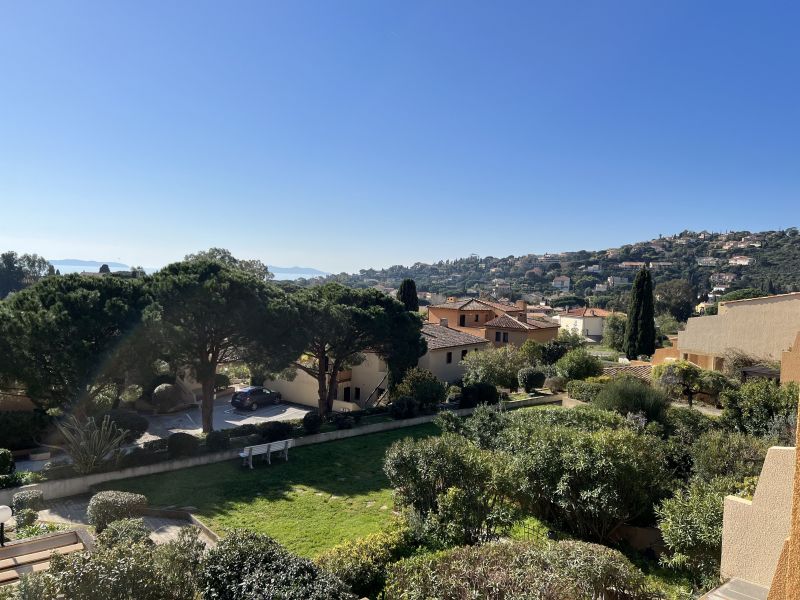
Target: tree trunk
[
  {"x": 333, "y": 384},
  {"x": 322, "y": 384},
  {"x": 689, "y": 397},
  {"x": 208, "y": 404}
]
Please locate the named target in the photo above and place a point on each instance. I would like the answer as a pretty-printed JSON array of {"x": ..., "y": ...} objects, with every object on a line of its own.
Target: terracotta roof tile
[{"x": 439, "y": 337}]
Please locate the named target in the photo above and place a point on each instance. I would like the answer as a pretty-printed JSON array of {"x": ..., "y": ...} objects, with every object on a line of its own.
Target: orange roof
[{"x": 589, "y": 312}]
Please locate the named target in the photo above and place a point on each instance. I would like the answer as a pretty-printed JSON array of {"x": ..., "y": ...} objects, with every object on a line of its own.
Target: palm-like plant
[{"x": 88, "y": 444}]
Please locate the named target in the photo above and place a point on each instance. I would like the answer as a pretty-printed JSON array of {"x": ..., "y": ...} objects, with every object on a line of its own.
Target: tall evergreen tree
[
  {"x": 407, "y": 294},
  {"x": 640, "y": 331}
]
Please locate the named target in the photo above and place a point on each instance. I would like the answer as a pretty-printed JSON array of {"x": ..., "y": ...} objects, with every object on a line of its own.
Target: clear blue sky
[{"x": 342, "y": 135}]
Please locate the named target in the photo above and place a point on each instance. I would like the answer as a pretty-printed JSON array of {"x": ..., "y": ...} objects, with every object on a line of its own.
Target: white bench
[{"x": 265, "y": 450}]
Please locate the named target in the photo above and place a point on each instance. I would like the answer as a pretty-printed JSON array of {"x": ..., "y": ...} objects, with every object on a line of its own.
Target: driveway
[{"x": 225, "y": 417}]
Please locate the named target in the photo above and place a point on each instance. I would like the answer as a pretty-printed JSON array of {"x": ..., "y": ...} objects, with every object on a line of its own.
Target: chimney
[
  {"x": 522, "y": 317},
  {"x": 522, "y": 305},
  {"x": 443, "y": 322}
]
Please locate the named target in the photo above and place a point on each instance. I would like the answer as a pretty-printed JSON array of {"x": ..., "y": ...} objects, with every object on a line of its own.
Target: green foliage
[
  {"x": 221, "y": 381},
  {"x": 71, "y": 336},
  {"x": 614, "y": 332},
  {"x": 532, "y": 351},
  {"x": 250, "y": 566},
  {"x": 725, "y": 454},
  {"x": 137, "y": 572},
  {"x": 407, "y": 294},
  {"x": 105, "y": 507},
  {"x": 586, "y": 391},
  {"x": 31, "y": 499},
  {"x": 683, "y": 427},
  {"x": 25, "y": 518},
  {"x": 497, "y": 366},
  {"x": 586, "y": 482},
  {"x": 483, "y": 427},
  {"x": 753, "y": 407},
  {"x": 21, "y": 428},
  {"x": 180, "y": 445},
  {"x": 19, "y": 271},
  {"x": 124, "y": 532},
  {"x": 455, "y": 492},
  {"x": 691, "y": 525},
  {"x": 361, "y": 564},
  {"x": 630, "y": 395},
  {"x": 742, "y": 294},
  {"x": 424, "y": 387},
  {"x": 475, "y": 394},
  {"x": 675, "y": 297},
  {"x": 216, "y": 441},
  {"x": 273, "y": 431},
  {"x": 131, "y": 423},
  {"x": 404, "y": 407},
  {"x": 578, "y": 364},
  {"x": 7, "y": 464},
  {"x": 583, "y": 418},
  {"x": 530, "y": 378},
  {"x": 640, "y": 333},
  {"x": 253, "y": 267},
  {"x": 312, "y": 423},
  {"x": 89, "y": 444},
  {"x": 518, "y": 571}
]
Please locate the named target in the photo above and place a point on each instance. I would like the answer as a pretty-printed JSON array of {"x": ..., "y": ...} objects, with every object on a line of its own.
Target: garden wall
[{"x": 74, "y": 486}]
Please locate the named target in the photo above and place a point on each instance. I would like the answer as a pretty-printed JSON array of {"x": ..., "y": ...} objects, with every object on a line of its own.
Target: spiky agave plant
[{"x": 88, "y": 444}]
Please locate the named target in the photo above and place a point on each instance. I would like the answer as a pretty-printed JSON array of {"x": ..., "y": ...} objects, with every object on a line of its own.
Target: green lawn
[{"x": 324, "y": 495}]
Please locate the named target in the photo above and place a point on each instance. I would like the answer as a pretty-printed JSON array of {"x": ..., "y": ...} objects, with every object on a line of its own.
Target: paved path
[{"x": 72, "y": 511}]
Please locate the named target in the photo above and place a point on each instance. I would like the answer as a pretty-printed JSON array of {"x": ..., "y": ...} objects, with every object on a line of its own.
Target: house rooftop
[
  {"x": 439, "y": 336},
  {"x": 477, "y": 304},
  {"x": 508, "y": 322},
  {"x": 585, "y": 311}
]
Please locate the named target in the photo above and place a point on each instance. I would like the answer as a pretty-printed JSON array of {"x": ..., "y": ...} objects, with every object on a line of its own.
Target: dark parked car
[{"x": 254, "y": 396}]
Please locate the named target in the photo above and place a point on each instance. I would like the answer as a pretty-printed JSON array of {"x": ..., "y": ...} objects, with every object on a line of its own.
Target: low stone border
[
  {"x": 180, "y": 515},
  {"x": 75, "y": 486}
]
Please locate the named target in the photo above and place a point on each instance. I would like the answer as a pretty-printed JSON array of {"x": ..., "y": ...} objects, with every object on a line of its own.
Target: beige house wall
[
  {"x": 763, "y": 327},
  {"x": 435, "y": 361},
  {"x": 790, "y": 363},
  {"x": 583, "y": 325},
  {"x": 663, "y": 355},
  {"x": 453, "y": 316},
  {"x": 753, "y": 532},
  {"x": 304, "y": 390}
]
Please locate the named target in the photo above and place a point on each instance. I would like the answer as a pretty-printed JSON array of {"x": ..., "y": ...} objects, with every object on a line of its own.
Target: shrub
[
  {"x": 362, "y": 563},
  {"x": 578, "y": 364},
  {"x": 182, "y": 444},
  {"x": 132, "y": 424},
  {"x": 55, "y": 470},
  {"x": 725, "y": 454},
  {"x": 221, "y": 381},
  {"x": 243, "y": 430},
  {"x": 105, "y": 507},
  {"x": 517, "y": 570},
  {"x": 89, "y": 443},
  {"x": 404, "y": 407},
  {"x": 29, "y": 499},
  {"x": 582, "y": 418},
  {"x": 484, "y": 427},
  {"x": 312, "y": 423},
  {"x": 456, "y": 492},
  {"x": 25, "y": 518},
  {"x": 219, "y": 440},
  {"x": 555, "y": 383},
  {"x": 683, "y": 427},
  {"x": 496, "y": 366},
  {"x": 157, "y": 445},
  {"x": 273, "y": 431},
  {"x": 584, "y": 391},
  {"x": 691, "y": 525},
  {"x": 125, "y": 532},
  {"x": 630, "y": 395},
  {"x": 121, "y": 572},
  {"x": 530, "y": 378},
  {"x": 21, "y": 428},
  {"x": 424, "y": 387},
  {"x": 587, "y": 482},
  {"x": 7, "y": 464},
  {"x": 753, "y": 407},
  {"x": 343, "y": 421},
  {"x": 251, "y": 566},
  {"x": 138, "y": 457},
  {"x": 166, "y": 397},
  {"x": 478, "y": 393}
]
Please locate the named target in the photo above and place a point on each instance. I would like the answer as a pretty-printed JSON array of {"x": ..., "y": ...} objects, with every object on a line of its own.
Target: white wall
[
  {"x": 435, "y": 361},
  {"x": 583, "y": 325}
]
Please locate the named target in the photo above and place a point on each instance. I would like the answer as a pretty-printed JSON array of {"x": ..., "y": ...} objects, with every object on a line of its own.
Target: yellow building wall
[{"x": 790, "y": 363}]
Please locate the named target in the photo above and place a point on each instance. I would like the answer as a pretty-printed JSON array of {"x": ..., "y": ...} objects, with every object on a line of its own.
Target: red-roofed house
[
  {"x": 499, "y": 322},
  {"x": 588, "y": 322}
]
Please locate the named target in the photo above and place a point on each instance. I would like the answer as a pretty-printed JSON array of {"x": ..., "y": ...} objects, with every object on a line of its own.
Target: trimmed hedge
[
  {"x": 180, "y": 445},
  {"x": 31, "y": 499},
  {"x": 585, "y": 391},
  {"x": 531, "y": 378},
  {"x": 404, "y": 407},
  {"x": 272, "y": 431},
  {"x": 218, "y": 440},
  {"x": 124, "y": 532},
  {"x": 107, "y": 507},
  {"x": 126, "y": 420},
  {"x": 312, "y": 423},
  {"x": 478, "y": 393}
]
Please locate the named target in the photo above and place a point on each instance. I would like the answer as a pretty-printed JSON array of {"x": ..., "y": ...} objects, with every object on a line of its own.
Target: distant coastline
[{"x": 75, "y": 265}]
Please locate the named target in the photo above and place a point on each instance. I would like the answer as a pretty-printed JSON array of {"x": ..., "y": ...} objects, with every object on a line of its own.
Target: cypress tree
[
  {"x": 407, "y": 294},
  {"x": 640, "y": 331}
]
